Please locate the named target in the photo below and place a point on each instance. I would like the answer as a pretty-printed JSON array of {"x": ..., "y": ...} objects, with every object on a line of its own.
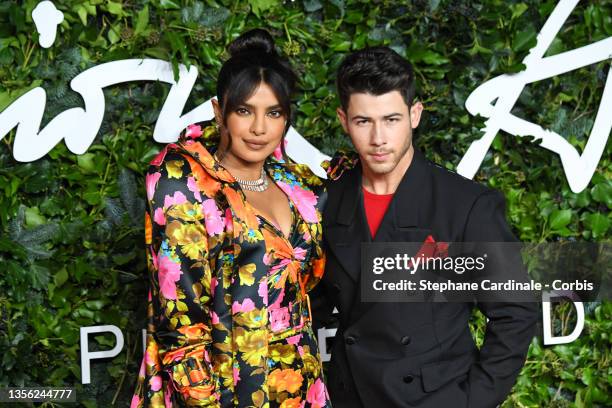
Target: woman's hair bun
[{"x": 253, "y": 41}]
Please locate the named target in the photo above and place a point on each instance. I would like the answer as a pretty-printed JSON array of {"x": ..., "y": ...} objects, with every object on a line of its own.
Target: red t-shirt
[{"x": 375, "y": 208}]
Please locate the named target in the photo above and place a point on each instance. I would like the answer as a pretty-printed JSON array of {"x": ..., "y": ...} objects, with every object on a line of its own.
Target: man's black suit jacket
[{"x": 417, "y": 354}]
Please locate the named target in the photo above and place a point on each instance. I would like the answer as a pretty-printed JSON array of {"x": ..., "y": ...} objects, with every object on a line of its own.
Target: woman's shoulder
[
  {"x": 291, "y": 172},
  {"x": 194, "y": 151},
  {"x": 341, "y": 162},
  {"x": 187, "y": 165}
]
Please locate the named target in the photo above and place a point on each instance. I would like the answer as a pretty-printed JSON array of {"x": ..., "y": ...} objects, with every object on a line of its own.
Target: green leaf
[
  {"x": 559, "y": 219},
  {"x": 142, "y": 20},
  {"x": 176, "y": 42},
  {"x": 307, "y": 108},
  {"x": 340, "y": 45},
  {"x": 524, "y": 39},
  {"x": 428, "y": 56},
  {"x": 602, "y": 193},
  {"x": 433, "y": 5},
  {"x": 33, "y": 218},
  {"x": 113, "y": 33},
  {"x": 259, "y": 6},
  {"x": 60, "y": 277},
  {"x": 86, "y": 162},
  {"x": 587, "y": 375},
  {"x": 82, "y": 12},
  {"x": 353, "y": 17},
  {"x": 92, "y": 197},
  {"x": 433, "y": 58},
  {"x": 169, "y": 4},
  {"x": 598, "y": 224},
  {"x": 96, "y": 304},
  {"x": 518, "y": 10},
  {"x": 115, "y": 8}
]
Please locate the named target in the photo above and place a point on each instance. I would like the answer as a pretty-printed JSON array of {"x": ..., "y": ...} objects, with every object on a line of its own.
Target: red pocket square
[{"x": 432, "y": 249}]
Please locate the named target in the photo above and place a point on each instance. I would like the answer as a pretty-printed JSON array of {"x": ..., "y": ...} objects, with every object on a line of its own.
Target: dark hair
[
  {"x": 377, "y": 71},
  {"x": 253, "y": 60}
]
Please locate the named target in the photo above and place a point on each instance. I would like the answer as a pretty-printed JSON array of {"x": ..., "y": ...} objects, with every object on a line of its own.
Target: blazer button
[
  {"x": 408, "y": 379},
  {"x": 406, "y": 340},
  {"x": 337, "y": 287},
  {"x": 350, "y": 340}
]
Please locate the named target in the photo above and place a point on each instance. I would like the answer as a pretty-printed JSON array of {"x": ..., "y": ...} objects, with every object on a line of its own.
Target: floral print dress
[{"x": 228, "y": 307}]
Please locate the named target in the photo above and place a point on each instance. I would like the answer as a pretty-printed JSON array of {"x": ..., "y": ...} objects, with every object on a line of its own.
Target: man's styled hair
[{"x": 376, "y": 71}]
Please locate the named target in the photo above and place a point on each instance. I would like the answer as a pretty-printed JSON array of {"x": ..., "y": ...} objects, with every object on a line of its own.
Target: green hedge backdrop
[{"x": 71, "y": 233}]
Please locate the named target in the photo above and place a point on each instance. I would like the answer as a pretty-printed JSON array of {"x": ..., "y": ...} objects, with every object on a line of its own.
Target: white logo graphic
[
  {"x": 507, "y": 88},
  {"x": 46, "y": 18}
]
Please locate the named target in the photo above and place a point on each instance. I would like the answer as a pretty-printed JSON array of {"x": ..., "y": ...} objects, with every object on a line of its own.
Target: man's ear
[
  {"x": 415, "y": 114},
  {"x": 342, "y": 117},
  {"x": 217, "y": 110}
]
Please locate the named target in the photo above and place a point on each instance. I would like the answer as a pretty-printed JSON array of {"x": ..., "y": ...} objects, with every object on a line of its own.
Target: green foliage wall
[{"x": 71, "y": 236}]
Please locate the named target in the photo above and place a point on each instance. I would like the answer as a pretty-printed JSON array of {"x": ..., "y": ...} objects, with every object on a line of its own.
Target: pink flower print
[
  {"x": 246, "y": 306},
  {"x": 160, "y": 157},
  {"x": 316, "y": 394},
  {"x": 299, "y": 253},
  {"x": 176, "y": 199},
  {"x": 279, "y": 266},
  {"x": 141, "y": 373},
  {"x": 151, "y": 181},
  {"x": 267, "y": 258},
  {"x": 154, "y": 260},
  {"x": 135, "y": 401},
  {"x": 229, "y": 221},
  {"x": 192, "y": 186},
  {"x": 169, "y": 273},
  {"x": 213, "y": 285},
  {"x": 294, "y": 340},
  {"x": 300, "y": 350},
  {"x": 278, "y": 153},
  {"x": 159, "y": 217},
  {"x": 262, "y": 291},
  {"x": 212, "y": 217},
  {"x": 193, "y": 131},
  {"x": 155, "y": 382},
  {"x": 214, "y": 318},
  {"x": 148, "y": 360},
  {"x": 178, "y": 356},
  {"x": 304, "y": 200},
  {"x": 236, "y": 374},
  {"x": 278, "y": 301},
  {"x": 279, "y": 319},
  {"x": 168, "y": 396}
]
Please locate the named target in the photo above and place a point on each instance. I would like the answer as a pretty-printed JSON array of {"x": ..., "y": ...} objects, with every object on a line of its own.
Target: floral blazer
[{"x": 228, "y": 311}]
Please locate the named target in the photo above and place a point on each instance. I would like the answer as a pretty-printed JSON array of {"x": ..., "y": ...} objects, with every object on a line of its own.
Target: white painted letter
[
  {"x": 549, "y": 338},
  {"x": 87, "y": 356}
]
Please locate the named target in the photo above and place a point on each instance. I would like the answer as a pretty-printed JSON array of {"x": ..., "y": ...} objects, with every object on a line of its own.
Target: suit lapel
[
  {"x": 406, "y": 219},
  {"x": 346, "y": 226}
]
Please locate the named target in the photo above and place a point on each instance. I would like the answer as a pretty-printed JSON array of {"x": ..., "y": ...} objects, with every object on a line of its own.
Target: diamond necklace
[{"x": 261, "y": 184}]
